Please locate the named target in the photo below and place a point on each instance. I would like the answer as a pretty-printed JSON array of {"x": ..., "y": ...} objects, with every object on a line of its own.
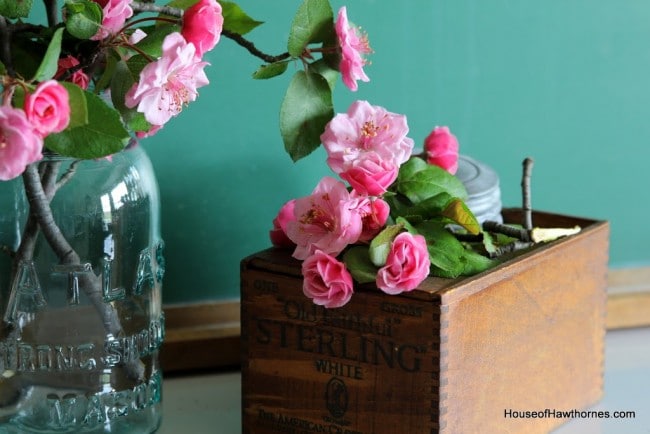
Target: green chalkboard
[{"x": 566, "y": 82}]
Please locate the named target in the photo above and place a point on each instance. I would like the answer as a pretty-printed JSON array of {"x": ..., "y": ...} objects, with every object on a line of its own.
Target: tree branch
[
  {"x": 525, "y": 193},
  {"x": 52, "y": 12},
  {"x": 5, "y": 47},
  {"x": 248, "y": 45},
  {"x": 139, "y": 6}
]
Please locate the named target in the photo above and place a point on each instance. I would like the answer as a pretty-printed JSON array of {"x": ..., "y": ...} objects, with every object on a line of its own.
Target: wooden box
[{"x": 507, "y": 350}]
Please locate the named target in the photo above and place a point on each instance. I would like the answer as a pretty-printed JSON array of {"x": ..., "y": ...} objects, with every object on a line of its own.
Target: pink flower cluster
[
  {"x": 45, "y": 111},
  {"x": 365, "y": 147},
  {"x": 168, "y": 84}
]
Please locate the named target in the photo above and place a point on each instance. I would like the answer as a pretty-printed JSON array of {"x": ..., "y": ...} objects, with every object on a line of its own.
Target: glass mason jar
[{"x": 80, "y": 290}]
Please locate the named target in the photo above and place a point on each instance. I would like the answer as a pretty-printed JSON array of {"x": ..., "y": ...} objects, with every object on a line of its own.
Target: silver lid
[{"x": 482, "y": 185}]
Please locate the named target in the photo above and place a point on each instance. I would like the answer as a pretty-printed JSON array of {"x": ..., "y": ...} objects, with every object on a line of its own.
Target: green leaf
[
  {"x": 428, "y": 208},
  {"x": 380, "y": 245},
  {"x": 419, "y": 181},
  {"x": 48, "y": 66},
  {"x": 83, "y": 18},
  {"x": 103, "y": 135},
  {"x": 407, "y": 225},
  {"x": 458, "y": 211},
  {"x": 323, "y": 68},
  {"x": 236, "y": 20},
  {"x": 125, "y": 75},
  {"x": 152, "y": 43},
  {"x": 305, "y": 110},
  {"x": 109, "y": 70},
  {"x": 78, "y": 105},
  {"x": 358, "y": 264},
  {"x": 445, "y": 251},
  {"x": 313, "y": 22},
  {"x": 475, "y": 263},
  {"x": 15, "y": 8},
  {"x": 271, "y": 70},
  {"x": 489, "y": 243}
]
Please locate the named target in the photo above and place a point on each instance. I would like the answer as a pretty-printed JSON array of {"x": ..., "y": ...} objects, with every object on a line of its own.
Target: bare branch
[{"x": 525, "y": 193}]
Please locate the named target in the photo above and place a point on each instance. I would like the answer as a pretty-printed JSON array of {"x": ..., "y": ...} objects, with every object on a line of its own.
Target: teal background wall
[{"x": 566, "y": 82}]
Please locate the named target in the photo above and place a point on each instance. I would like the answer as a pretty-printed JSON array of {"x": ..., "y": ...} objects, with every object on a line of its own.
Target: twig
[
  {"x": 66, "y": 176},
  {"x": 47, "y": 173},
  {"x": 510, "y": 248},
  {"x": 5, "y": 47},
  {"x": 521, "y": 234},
  {"x": 525, "y": 193},
  {"x": 150, "y": 7},
  {"x": 248, "y": 45},
  {"x": 52, "y": 12}
]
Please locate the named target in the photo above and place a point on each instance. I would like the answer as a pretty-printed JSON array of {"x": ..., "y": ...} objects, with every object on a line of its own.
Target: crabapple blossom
[
  {"x": 441, "y": 148},
  {"x": 278, "y": 234},
  {"x": 169, "y": 83},
  {"x": 353, "y": 46},
  {"x": 374, "y": 214},
  {"x": 407, "y": 264},
  {"x": 114, "y": 15},
  {"x": 366, "y": 131},
  {"x": 78, "y": 77},
  {"x": 327, "y": 220},
  {"x": 326, "y": 280},
  {"x": 48, "y": 108},
  {"x": 202, "y": 25},
  {"x": 370, "y": 175},
  {"x": 20, "y": 145}
]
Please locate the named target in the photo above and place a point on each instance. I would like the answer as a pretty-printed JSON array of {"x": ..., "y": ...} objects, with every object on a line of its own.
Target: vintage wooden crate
[{"x": 456, "y": 356}]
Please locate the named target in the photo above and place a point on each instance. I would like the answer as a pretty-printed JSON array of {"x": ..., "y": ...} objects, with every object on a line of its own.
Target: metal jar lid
[{"x": 482, "y": 185}]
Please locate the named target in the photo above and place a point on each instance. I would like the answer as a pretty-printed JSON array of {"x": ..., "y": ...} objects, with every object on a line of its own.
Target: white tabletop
[{"x": 210, "y": 403}]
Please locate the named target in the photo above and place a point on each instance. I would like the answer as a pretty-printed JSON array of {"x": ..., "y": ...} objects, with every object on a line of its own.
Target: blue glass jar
[{"x": 80, "y": 292}]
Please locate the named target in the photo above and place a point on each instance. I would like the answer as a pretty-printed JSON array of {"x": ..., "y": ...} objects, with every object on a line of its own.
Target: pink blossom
[
  {"x": 48, "y": 108},
  {"x": 366, "y": 130},
  {"x": 278, "y": 234},
  {"x": 353, "y": 45},
  {"x": 137, "y": 36},
  {"x": 370, "y": 175},
  {"x": 407, "y": 264},
  {"x": 326, "y": 280},
  {"x": 115, "y": 13},
  {"x": 441, "y": 147},
  {"x": 374, "y": 214},
  {"x": 20, "y": 145},
  {"x": 169, "y": 83},
  {"x": 327, "y": 220},
  {"x": 202, "y": 25},
  {"x": 78, "y": 77}
]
